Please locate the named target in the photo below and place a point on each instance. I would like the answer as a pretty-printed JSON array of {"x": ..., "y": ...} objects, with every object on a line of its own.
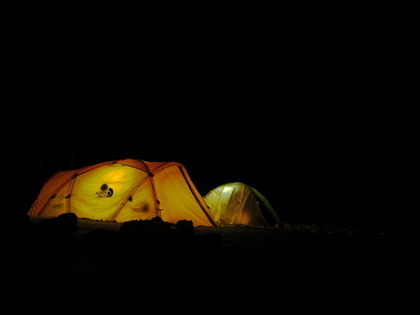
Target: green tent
[{"x": 239, "y": 204}]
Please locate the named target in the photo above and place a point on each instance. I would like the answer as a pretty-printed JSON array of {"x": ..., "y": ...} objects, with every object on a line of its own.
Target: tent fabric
[
  {"x": 239, "y": 204},
  {"x": 124, "y": 190}
]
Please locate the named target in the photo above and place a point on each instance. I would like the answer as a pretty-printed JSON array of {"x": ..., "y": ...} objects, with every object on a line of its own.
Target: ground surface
[{"x": 96, "y": 256}]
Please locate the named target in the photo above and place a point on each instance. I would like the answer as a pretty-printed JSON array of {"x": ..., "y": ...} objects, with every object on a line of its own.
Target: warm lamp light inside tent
[
  {"x": 237, "y": 203},
  {"x": 124, "y": 190},
  {"x": 118, "y": 180}
]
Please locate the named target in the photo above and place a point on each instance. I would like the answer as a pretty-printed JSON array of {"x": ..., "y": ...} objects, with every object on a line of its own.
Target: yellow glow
[
  {"x": 234, "y": 203},
  {"x": 124, "y": 191}
]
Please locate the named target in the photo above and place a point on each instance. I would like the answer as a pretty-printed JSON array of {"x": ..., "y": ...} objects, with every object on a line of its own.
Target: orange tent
[{"x": 124, "y": 190}]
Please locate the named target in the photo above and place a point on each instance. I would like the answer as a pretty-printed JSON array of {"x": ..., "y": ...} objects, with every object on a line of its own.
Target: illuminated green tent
[
  {"x": 240, "y": 204},
  {"x": 124, "y": 190}
]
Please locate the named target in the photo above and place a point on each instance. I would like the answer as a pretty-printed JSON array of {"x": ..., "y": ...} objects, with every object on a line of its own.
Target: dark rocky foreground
[{"x": 68, "y": 254}]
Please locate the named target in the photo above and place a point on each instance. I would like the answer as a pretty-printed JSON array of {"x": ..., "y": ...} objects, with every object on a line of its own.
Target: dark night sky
[
  {"x": 299, "y": 128},
  {"x": 311, "y": 165},
  {"x": 299, "y": 107}
]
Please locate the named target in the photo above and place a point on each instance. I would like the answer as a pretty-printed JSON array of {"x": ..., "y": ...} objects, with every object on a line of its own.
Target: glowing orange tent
[{"x": 124, "y": 190}]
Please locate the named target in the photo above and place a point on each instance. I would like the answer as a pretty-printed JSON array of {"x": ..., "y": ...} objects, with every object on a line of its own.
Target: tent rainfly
[
  {"x": 240, "y": 204},
  {"x": 124, "y": 190}
]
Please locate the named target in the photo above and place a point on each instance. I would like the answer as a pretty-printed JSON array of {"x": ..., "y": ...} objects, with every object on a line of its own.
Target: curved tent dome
[
  {"x": 124, "y": 190},
  {"x": 238, "y": 203}
]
